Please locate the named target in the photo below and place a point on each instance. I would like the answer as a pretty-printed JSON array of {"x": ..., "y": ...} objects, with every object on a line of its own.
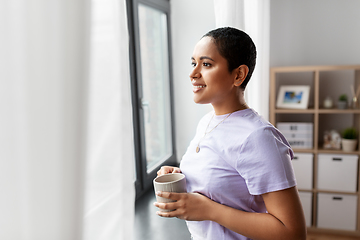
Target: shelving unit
[{"x": 323, "y": 81}]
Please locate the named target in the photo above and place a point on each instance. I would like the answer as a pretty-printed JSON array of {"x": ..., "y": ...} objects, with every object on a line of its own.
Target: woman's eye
[
  {"x": 193, "y": 64},
  {"x": 205, "y": 64}
]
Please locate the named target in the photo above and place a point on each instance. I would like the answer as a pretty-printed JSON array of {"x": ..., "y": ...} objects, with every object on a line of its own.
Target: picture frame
[{"x": 293, "y": 97}]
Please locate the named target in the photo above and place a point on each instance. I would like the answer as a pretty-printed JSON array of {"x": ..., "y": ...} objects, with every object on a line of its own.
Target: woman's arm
[{"x": 284, "y": 220}]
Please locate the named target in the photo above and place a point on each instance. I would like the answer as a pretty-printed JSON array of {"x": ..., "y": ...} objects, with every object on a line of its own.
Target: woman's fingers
[
  {"x": 168, "y": 169},
  {"x": 164, "y": 170},
  {"x": 187, "y": 206},
  {"x": 170, "y": 195},
  {"x": 167, "y": 214},
  {"x": 166, "y": 206},
  {"x": 170, "y": 205}
]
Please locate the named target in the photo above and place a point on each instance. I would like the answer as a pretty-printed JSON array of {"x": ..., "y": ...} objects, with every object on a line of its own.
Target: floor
[
  {"x": 149, "y": 226},
  {"x": 329, "y": 237}
]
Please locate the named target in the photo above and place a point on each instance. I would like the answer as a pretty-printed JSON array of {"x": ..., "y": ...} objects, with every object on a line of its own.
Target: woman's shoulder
[
  {"x": 253, "y": 126},
  {"x": 251, "y": 120}
]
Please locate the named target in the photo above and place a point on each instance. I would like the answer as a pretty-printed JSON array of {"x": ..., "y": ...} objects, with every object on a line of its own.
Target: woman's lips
[{"x": 197, "y": 88}]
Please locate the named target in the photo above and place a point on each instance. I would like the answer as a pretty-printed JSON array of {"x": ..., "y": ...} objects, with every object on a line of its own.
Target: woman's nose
[{"x": 194, "y": 74}]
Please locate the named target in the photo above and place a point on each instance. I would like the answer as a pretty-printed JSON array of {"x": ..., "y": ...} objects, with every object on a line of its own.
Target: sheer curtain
[
  {"x": 52, "y": 111},
  {"x": 110, "y": 194},
  {"x": 253, "y": 17}
]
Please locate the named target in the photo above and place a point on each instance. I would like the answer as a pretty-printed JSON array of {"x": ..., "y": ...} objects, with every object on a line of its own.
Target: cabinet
[{"x": 325, "y": 82}]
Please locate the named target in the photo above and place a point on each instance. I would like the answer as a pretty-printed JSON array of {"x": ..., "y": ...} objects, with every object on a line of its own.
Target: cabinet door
[
  {"x": 303, "y": 168},
  {"x": 337, "y": 172},
  {"x": 337, "y": 211},
  {"x": 306, "y": 202}
]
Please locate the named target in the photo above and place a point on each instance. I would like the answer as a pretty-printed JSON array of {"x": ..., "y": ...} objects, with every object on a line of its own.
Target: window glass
[{"x": 155, "y": 85}]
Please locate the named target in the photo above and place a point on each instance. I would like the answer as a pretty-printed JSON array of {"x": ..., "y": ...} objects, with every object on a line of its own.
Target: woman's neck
[
  {"x": 236, "y": 104},
  {"x": 230, "y": 110}
]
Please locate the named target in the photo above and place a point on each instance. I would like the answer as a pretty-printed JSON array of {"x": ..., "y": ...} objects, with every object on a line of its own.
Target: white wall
[
  {"x": 190, "y": 20},
  {"x": 308, "y": 32}
]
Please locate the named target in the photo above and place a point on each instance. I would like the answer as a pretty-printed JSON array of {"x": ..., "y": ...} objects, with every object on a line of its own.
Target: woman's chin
[
  {"x": 196, "y": 99},
  {"x": 199, "y": 101}
]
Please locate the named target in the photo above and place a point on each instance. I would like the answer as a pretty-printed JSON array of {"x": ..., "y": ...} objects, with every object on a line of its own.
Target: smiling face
[{"x": 211, "y": 79}]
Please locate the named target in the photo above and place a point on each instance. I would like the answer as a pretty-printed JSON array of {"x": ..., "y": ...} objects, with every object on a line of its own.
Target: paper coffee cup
[{"x": 171, "y": 182}]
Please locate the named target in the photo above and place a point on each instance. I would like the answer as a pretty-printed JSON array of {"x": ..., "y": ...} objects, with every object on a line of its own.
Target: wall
[
  {"x": 190, "y": 20},
  {"x": 321, "y": 32}
]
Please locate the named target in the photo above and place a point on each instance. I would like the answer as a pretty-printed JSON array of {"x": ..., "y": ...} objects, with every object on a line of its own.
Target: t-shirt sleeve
[{"x": 265, "y": 162}]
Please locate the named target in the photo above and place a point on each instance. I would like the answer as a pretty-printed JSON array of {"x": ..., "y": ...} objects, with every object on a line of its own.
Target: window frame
[{"x": 143, "y": 181}]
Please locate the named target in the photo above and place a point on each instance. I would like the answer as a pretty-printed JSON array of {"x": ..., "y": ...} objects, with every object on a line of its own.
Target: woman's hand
[
  {"x": 188, "y": 206},
  {"x": 284, "y": 219},
  {"x": 168, "y": 169}
]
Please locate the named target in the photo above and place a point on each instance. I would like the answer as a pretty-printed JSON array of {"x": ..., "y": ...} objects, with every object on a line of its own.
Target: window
[{"x": 151, "y": 88}]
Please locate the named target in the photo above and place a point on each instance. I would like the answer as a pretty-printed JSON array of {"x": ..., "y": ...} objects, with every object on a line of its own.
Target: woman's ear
[{"x": 241, "y": 73}]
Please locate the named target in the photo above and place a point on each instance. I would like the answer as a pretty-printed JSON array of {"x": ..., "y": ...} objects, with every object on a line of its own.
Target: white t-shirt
[{"x": 242, "y": 158}]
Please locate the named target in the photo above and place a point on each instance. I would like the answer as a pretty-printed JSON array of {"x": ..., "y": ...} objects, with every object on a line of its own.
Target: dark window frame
[{"x": 143, "y": 180}]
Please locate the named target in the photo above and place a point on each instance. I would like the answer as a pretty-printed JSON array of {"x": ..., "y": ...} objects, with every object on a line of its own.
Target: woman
[{"x": 238, "y": 166}]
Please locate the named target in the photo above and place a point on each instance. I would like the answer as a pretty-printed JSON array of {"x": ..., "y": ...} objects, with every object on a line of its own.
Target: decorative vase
[
  {"x": 342, "y": 104},
  {"x": 348, "y": 145},
  {"x": 328, "y": 103}
]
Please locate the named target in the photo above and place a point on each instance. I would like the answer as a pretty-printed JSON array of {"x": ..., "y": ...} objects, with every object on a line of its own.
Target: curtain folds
[
  {"x": 253, "y": 17},
  {"x": 110, "y": 194},
  {"x": 43, "y": 70},
  {"x": 66, "y": 154}
]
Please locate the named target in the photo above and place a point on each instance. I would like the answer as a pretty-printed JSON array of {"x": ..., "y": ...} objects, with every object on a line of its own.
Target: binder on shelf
[
  {"x": 295, "y": 127},
  {"x": 298, "y": 134}
]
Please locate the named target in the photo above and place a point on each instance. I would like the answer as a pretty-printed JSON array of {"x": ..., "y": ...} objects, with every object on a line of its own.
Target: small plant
[
  {"x": 349, "y": 133},
  {"x": 343, "y": 97}
]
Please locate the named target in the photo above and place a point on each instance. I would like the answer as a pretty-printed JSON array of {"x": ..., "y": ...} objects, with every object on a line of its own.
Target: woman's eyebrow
[{"x": 203, "y": 57}]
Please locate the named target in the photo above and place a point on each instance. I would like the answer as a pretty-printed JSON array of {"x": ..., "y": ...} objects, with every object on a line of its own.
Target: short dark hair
[{"x": 236, "y": 47}]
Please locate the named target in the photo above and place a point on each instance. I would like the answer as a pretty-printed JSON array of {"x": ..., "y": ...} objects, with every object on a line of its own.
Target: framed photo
[{"x": 293, "y": 97}]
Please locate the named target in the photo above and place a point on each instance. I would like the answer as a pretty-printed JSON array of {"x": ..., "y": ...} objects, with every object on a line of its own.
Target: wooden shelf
[
  {"x": 334, "y": 232},
  {"x": 322, "y": 150},
  {"x": 297, "y": 111},
  {"x": 334, "y": 151},
  {"x": 319, "y": 111},
  {"x": 319, "y": 81},
  {"x": 304, "y": 150},
  {"x": 338, "y": 111},
  {"x": 326, "y": 191},
  {"x": 315, "y": 68}
]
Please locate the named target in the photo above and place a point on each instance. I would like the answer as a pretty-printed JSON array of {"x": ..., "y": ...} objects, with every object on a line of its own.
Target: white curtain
[
  {"x": 253, "y": 17},
  {"x": 51, "y": 131},
  {"x": 110, "y": 194}
]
